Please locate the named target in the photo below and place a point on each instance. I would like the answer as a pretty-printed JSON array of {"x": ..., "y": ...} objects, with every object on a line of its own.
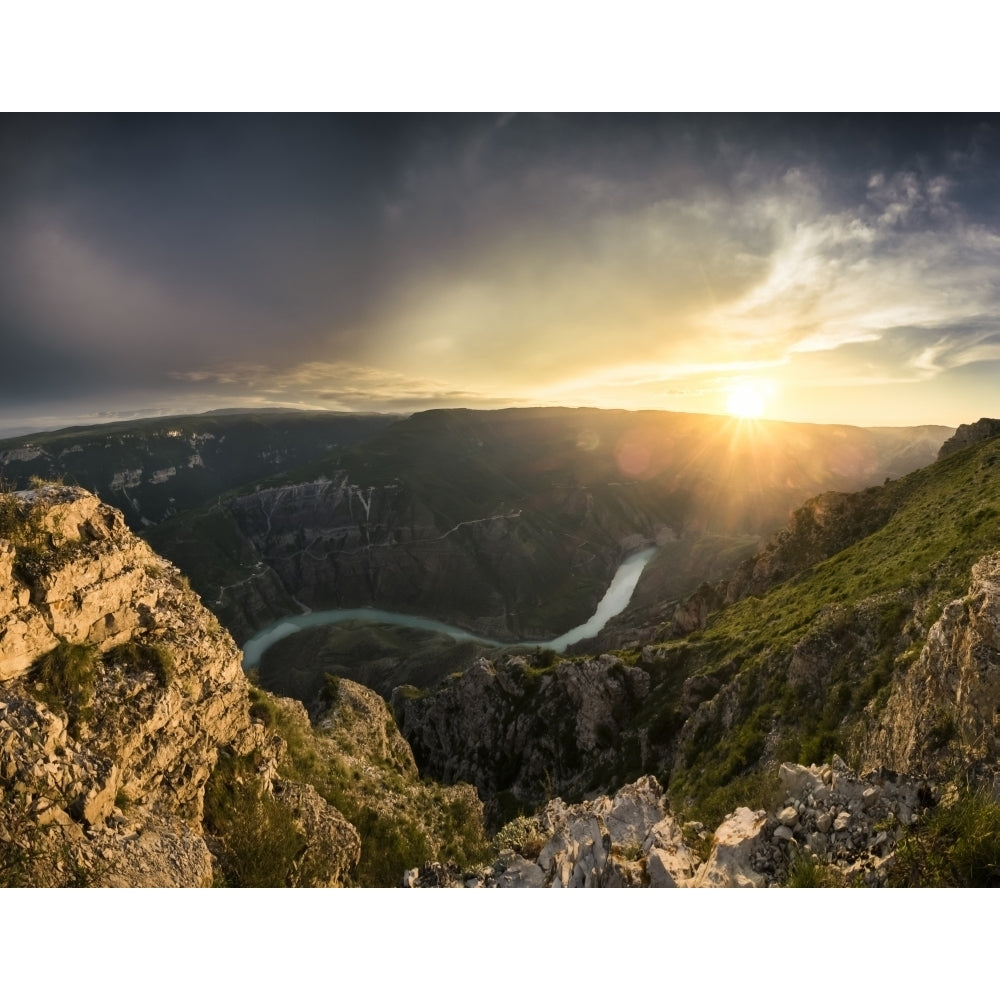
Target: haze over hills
[
  {"x": 511, "y": 522},
  {"x": 154, "y": 468}
]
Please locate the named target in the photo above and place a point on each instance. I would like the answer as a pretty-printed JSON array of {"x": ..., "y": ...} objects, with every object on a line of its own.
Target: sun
[{"x": 746, "y": 401}]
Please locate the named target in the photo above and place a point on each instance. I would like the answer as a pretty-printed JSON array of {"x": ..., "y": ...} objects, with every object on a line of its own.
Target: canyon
[{"x": 809, "y": 714}]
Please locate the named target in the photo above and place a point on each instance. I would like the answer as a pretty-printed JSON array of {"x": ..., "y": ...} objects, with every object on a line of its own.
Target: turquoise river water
[{"x": 614, "y": 601}]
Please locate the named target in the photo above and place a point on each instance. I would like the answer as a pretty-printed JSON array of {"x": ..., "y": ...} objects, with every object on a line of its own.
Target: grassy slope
[
  {"x": 404, "y": 821},
  {"x": 801, "y": 662}
]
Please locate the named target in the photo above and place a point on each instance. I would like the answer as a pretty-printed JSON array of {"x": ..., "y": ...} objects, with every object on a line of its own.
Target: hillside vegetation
[{"x": 805, "y": 669}]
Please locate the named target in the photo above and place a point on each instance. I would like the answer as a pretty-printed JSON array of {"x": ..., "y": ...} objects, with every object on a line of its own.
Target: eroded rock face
[
  {"x": 104, "y": 760},
  {"x": 334, "y": 543},
  {"x": 329, "y": 837},
  {"x": 967, "y": 434},
  {"x": 628, "y": 840},
  {"x": 951, "y": 694},
  {"x": 734, "y": 846},
  {"x": 505, "y": 725}
]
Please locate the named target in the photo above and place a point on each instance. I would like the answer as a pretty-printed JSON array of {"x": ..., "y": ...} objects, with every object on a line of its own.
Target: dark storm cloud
[
  {"x": 219, "y": 234},
  {"x": 456, "y": 258}
]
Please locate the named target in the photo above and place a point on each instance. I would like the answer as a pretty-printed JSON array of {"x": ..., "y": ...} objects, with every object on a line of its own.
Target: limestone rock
[
  {"x": 333, "y": 845},
  {"x": 951, "y": 692},
  {"x": 631, "y": 839},
  {"x": 627, "y": 840},
  {"x": 519, "y": 873},
  {"x": 967, "y": 434},
  {"x": 168, "y": 695},
  {"x": 730, "y": 865}
]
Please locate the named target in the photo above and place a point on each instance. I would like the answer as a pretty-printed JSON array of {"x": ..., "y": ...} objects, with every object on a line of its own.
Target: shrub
[
  {"x": 65, "y": 679},
  {"x": 330, "y": 691},
  {"x": 153, "y": 657},
  {"x": 262, "y": 708},
  {"x": 545, "y": 658},
  {"x": 954, "y": 845},
  {"x": 522, "y": 835},
  {"x": 463, "y": 839},
  {"x": 17, "y": 849},
  {"x": 23, "y": 527},
  {"x": 259, "y": 840},
  {"x": 806, "y": 872},
  {"x": 11, "y": 517},
  {"x": 389, "y": 846}
]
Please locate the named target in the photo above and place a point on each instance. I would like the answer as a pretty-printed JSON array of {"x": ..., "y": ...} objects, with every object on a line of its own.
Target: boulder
[{"x": 730, "y": 864}]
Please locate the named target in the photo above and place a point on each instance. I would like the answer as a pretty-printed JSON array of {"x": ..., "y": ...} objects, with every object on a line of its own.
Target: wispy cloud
[{"x": 334, "y": 385}]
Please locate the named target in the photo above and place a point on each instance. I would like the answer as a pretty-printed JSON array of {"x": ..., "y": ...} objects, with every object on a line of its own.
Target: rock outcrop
[
  {"x": 119, "y": 693},
  {"x": 824, "y": 816},
  {"x": 511, "y": 727},
  {"x": 947, "y": 702},
  {"x": 981, "y": 430},
  {"x": 628, "y": 840}
]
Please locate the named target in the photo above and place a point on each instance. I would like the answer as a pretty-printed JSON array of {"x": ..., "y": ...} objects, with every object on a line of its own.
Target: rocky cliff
[
  {"x": 157, "y": 468},
  {"x": 120, "y": 694},
  {"x": 512, "y": 523},
  {"x": 501, "y": 569},
  {"x": 133, "y": 750},
  {"x": 945, "y": 708},
  {"x": 982, "y": 430},
  {"x": 520, "y": 731},
  {"x": 867, "y": 629}
]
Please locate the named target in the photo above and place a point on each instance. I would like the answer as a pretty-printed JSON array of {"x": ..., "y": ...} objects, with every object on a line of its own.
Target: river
[{"x": 614, "y": 601}]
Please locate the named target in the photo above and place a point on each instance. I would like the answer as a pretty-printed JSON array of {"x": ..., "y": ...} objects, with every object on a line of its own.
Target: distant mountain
[
  {"x": 155, "y": 468},
  {"x": 511, "y": 523}
]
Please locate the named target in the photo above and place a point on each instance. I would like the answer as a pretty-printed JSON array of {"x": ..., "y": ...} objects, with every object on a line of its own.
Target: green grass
[
  {"x": 947, "y": 516},
  {"x": 806, "y": 872},
  {"x": 22, "y": 525},
  {"x": 398, "y": 817},
  {"x": 138, "y": 656},
  {"x": 65, "y": 678},
  {"x": 953, "y": 845},
  {"x": 258, "y": 836},
  {"x": 860, "y": 616}
]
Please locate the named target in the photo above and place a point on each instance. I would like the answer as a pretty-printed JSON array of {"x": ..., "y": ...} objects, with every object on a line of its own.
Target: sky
[{"x": 819, "y": 268}]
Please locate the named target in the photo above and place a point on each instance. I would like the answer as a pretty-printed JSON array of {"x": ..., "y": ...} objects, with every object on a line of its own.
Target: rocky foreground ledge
[
  {"x": 826, "y": 816},
  {"x": 119, "y": 696}
]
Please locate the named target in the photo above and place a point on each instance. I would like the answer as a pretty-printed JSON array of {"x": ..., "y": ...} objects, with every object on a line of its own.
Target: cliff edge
[{"x": 120, "y": 694}]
